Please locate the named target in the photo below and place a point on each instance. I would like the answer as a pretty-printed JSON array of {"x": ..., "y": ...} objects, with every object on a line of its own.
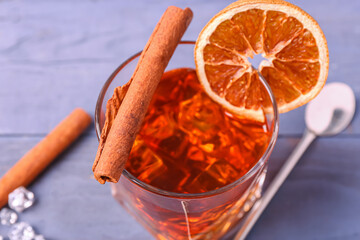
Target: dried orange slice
[{"x": 295, "y": 48}]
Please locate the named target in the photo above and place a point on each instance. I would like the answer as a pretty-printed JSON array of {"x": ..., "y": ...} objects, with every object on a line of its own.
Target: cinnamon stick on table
[
  {"x": 115, "y": 147},
  {"x": 39, "y": 157}
]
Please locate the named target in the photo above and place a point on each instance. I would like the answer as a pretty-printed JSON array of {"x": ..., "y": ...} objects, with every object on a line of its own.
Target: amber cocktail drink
[
  {"x": 195, "y": 168},
  {"x": 190, "y": 144}
]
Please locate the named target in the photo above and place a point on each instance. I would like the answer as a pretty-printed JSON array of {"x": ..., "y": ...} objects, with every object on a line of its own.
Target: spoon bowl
[{"x": 331, "y": 111}]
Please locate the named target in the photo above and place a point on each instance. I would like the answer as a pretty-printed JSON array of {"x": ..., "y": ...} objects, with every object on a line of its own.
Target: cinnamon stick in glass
[
  {"x": 39, "y": 157},
  {"x": 114, "y": 149}
]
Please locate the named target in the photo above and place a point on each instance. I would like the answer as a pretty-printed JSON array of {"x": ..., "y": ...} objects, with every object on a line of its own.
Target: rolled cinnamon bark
[
  {"x": 39, "y": 157},
  {"x": 114, "y": 149}
]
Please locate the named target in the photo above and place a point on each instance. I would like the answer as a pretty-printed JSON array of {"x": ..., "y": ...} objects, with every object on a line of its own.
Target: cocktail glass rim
[{"x": 156, "y": 190}]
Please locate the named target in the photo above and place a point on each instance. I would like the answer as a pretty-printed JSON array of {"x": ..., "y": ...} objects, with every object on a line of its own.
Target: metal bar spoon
[{"x": 327, "y": 115}]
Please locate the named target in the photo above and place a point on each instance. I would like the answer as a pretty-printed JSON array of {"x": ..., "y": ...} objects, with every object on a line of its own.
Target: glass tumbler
[{"x": 169, "y": 215}]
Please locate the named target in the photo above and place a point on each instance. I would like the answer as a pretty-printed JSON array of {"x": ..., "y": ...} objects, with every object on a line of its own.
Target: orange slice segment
[
  {"x": 251, "y": 24},
  {"x": 279, "y": 30},
  {"x": 292, "y": 42},
  {"x": 302, "y": 47}
]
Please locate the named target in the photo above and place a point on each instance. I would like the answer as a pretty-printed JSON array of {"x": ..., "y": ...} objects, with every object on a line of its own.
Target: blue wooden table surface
[{"x": 56, "y": 55}]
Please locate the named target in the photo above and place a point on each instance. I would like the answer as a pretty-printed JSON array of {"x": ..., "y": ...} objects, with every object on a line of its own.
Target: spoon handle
[{"x": 274, "y": 186}]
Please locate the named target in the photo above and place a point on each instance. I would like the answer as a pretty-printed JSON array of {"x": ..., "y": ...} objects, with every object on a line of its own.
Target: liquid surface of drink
[{"x": 190, "y": 144}]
